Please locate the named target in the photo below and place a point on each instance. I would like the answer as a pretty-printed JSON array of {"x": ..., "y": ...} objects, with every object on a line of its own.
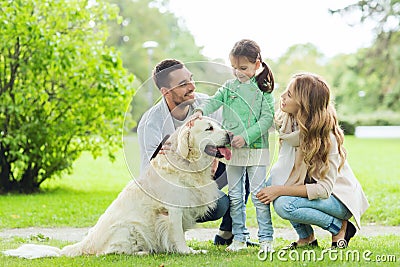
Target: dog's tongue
[{"x": 226, "y": 152}]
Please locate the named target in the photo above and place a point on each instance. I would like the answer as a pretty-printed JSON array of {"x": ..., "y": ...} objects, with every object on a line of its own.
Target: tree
[
  {"x": 384, "y": 13},
  {"x": 298, "y": 58},
  {"x": 353, "y": 91},
  {"x": 145, "y": 20},
  {"x": 62, "y": 91},
  {"x": 376, "y": 70},
  {"x": 149, "y": 20}
]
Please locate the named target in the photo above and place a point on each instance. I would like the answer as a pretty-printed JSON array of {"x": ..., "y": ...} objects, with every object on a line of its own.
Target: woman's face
[
  {"x": 288, "y": 103},
  {"x": 243, "y": 69}
]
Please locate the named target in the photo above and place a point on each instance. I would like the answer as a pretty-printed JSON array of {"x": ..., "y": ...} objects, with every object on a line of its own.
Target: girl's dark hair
[{"x": 250, "y": 49}]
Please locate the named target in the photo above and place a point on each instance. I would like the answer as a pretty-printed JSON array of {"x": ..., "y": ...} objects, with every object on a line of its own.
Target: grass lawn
[
  {"x": 78, "y": 199},
  {"x": 363, "y": 251}
]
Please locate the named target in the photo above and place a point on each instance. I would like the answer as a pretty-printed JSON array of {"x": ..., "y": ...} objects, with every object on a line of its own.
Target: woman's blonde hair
[{"x": 316, "y": 119}]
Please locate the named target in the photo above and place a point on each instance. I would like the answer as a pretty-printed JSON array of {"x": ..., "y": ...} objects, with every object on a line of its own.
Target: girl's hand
[
  {"x": 197, "y": 115},
  {"x": 238, "y": 141},
  {"x": 269, "y": 193}
]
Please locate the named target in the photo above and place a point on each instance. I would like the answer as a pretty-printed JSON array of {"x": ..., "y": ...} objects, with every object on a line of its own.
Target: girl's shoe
[
  {"x": 250, "y": 243},
  {"x": 350, "y": 232},
  {"x": 236, "y": 246},
  {"x": 266, "y": 247}
]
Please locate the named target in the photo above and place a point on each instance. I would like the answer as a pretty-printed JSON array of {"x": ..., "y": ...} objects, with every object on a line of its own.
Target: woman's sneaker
[
  {"x": 236, "y": 246},
  {"x": 266, "y": 247}
]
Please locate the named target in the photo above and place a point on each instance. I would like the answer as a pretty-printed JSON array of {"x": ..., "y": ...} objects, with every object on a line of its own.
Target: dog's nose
[{"x": 229, "y": 136}]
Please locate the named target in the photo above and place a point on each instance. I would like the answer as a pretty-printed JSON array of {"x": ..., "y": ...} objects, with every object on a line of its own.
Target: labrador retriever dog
[{"x": 152, "y": 212}]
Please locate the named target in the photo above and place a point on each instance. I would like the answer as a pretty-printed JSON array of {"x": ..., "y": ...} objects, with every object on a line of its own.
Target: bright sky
[{"x": 274, "y": 24}]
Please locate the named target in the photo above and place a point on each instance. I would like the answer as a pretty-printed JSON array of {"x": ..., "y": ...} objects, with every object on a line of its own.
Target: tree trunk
[
  {"x": 26, "y": 185},
  {"x": 5, "y": 175}
]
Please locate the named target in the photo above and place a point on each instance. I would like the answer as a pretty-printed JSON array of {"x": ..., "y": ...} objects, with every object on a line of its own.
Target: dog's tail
[
  {"x": 75, "y": 250},
  {"x": 33, "y": 251}
]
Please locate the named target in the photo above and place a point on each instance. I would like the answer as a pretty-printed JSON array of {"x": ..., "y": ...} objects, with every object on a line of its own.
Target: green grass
[
  {"x": 376, "y": 164},
  {"x": 78, "y": 199},
  {"x": 96, "y": 183},
  {"x": 75, "y": 200},
  {"x": 370, "y": 250}
]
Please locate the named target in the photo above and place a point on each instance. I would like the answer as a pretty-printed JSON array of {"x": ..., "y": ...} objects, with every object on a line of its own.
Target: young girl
[
  {"x": 312, "y": 183},
  {"x": 248, "y": 111}
]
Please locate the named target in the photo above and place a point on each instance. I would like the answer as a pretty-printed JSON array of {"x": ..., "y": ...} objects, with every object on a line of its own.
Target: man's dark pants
[{"x": 222, "y": 208}]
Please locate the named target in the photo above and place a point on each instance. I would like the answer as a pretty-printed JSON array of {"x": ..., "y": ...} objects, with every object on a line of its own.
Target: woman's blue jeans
[{"x": 302, "y": 213}]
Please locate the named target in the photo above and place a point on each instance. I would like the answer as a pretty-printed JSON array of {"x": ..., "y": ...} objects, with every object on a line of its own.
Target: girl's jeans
[
  {"x": 257, "y": 176},
  {"x": 302, "y": 213}
]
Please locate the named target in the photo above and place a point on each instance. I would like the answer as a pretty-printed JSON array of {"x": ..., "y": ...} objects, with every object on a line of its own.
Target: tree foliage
[
  {"x": 383, "y": 13},
  {"x": 371, "y": 76},
  {"x": 62, "y": 90},
  {"x": 149, "y": 20},
  {"x": 297, "y": 58}
]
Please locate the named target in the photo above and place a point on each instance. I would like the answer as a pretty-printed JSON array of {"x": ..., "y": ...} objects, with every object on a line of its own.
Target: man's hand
[
  {"x": 238, "y": 141},
  {"x": 165, "y": 147}
]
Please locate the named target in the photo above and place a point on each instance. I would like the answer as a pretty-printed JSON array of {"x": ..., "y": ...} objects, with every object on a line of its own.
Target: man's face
[{"x": 181, "y": 89}]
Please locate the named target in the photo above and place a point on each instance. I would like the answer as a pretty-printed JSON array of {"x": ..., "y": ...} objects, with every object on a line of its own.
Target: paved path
[{"x": 200, "y": 234}]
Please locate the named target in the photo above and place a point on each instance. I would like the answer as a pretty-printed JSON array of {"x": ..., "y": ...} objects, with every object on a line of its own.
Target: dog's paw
[
  {"x": 184, "y": 250},
  {"x": 142, "y": 253},
  {"x": 200, "y": 251},
  {"x": 189, "y": 250}
]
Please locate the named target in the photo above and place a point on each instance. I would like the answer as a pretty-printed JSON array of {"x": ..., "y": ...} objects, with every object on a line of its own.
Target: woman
[{"x": 312, "y": 183}]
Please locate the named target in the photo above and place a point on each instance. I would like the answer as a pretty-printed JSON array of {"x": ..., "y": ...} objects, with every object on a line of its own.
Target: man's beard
[{"x": 184, "y": 103}]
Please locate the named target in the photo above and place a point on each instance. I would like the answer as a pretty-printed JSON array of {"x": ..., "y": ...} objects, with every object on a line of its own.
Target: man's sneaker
[
  {"x": 219, "y": 241},
  {"x": 236, "y": 246},
  {"x": 266, "y": 247}
]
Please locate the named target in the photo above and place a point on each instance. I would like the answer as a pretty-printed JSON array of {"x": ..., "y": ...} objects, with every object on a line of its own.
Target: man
[{"x": 177, "y": 87}]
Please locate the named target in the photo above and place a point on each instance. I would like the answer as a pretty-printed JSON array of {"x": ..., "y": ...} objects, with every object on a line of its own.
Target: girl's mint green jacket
[{"x": 247, "y": 111}]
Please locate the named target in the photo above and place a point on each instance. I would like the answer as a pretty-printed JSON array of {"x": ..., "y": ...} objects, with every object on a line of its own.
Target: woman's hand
[
  {"x": 269, "y": 193},
  {"x": 238, "y": 141}
]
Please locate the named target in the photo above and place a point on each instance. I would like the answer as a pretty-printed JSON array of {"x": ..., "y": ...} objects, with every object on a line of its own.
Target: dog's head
[{"x": 203, "y": 136}]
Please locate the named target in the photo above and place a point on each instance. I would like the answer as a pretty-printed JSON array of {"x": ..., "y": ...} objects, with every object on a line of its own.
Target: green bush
[
  {"x": 349, "y": 122},
  {"x": 348, "y": 127}
]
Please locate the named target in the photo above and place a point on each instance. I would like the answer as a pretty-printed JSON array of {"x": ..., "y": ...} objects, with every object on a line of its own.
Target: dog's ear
[{"x": 184, "y": 142}]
